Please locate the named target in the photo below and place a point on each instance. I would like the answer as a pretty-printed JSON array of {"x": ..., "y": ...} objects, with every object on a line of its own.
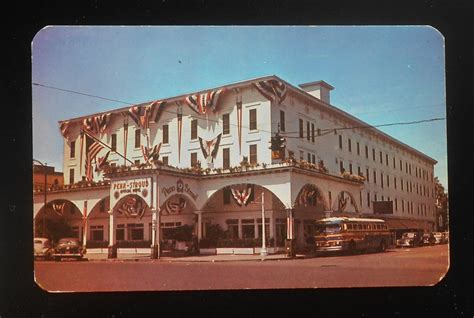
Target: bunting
[
  {"x": 200, "y": 103},
  {"x": 92, "y": 150},
  {"x": 274, "y": 90},
  {"x": 151, "y": 154},
  {"x": 173, "y": 208},
  {"x": 102, "y": 162},
  {"x": 96, "y": 124},
  {"x": 58, "y": 208},
  {"x": 309, "y": 195},
  {"x": 210, "y": 147},
  {"x": 241, "y": 197},
  {"x": 125, "y": 137},
  {"x": 180, "y": 128},
  {"x": 65, "y": 128},
  {"x": 132, "y": 207},
  {"x": 239, "y": 124},
  {"x": 143, "y": 115},
  {"x": 342, "y": 202}
]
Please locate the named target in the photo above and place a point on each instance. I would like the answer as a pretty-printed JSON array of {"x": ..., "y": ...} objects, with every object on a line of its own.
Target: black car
[{"x": 68, "y": 248}]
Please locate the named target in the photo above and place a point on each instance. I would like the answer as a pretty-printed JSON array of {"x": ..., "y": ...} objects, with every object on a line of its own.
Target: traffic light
[{"x": 278, "y": 146}]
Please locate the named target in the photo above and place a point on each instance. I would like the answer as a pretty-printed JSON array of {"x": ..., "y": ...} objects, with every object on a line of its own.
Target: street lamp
[{"x": 45, "y": 199}]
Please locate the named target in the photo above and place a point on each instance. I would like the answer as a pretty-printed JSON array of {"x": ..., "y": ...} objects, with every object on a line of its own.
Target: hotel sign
[
  {"x": 141, "y": 187},
  {"x": 180, "y": 187}
]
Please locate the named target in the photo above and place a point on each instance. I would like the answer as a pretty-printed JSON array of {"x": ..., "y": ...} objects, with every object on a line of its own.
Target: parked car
[
  {"x": 68, "y": 248},
  {"x": 409, "y": 239},
  {"x": 439, "y": 237},
  {"x": 428, "y": 239},
  {"x": 445, "y": 237},
  {"x": 42, "y": 248}
]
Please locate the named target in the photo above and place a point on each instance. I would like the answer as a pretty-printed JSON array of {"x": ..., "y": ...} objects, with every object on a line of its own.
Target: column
[
  {"x": 154, "y": 226},
  {"x": 84, "y": 222},
  {"x": 112, "y": 248},
  {"x": 199, "y": 224}
]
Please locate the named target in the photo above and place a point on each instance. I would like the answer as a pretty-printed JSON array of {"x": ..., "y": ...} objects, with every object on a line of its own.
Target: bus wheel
[{"x": 382, "y": 247}]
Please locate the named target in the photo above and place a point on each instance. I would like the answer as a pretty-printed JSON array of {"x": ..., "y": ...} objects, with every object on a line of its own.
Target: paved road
[{"x": 423, "y": 266}]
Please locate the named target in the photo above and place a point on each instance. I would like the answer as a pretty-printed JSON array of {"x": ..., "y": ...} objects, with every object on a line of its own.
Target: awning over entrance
[{"x": 400, "y": 224}]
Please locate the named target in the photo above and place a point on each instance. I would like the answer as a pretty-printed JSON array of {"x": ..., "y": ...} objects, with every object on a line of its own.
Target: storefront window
[
  {"x": 248, "y": 228},
  {"x": 97, "y": 232},
  {"x": 233, "y": 228},
  {"x": 120, "y": 232},
  {"x": 135, "y": 232},
  {"x": 267, "y": 228}
]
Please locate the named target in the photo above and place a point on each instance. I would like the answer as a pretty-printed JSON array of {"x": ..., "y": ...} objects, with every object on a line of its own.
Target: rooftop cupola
[{"x": 319, "y": 89}]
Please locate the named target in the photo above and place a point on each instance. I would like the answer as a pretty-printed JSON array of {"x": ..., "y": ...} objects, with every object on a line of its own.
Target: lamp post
[
  {"x": 45, "y": 198},
  {"x": 263, "y": 251}
]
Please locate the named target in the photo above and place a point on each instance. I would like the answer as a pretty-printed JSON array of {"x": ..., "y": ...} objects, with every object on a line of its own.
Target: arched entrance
[
  {"x": 132, "y": 222},
  {"x": 232, "y": 216},
  {"x": 345, "y": 203},
  {"x": 57, "y": 219},
  {"x": 98, "y": 224}
]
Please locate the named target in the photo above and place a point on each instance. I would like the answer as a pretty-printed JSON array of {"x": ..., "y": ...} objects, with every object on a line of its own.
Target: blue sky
[{"x": 380, "y": 74}]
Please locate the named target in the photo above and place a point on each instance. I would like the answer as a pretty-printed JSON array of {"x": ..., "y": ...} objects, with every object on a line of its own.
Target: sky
[{"x": 380, "y": 74}]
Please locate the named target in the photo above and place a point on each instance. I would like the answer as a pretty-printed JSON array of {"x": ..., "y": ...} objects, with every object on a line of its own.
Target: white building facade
[{"x": 204, "y": 159}]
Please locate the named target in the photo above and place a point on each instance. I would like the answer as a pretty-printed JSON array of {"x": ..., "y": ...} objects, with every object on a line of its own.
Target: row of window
[
  {"x": 421, "y": 190},
  {"x": 421, "y": 207},
  {"x": 311, "y": 131},
  {"x": 419, "y": 172}
]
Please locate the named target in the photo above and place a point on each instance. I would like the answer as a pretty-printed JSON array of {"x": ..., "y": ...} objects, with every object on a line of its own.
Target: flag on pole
[
  {"x": 92, "y": 150},
  {"x": 152, "y": 153}
]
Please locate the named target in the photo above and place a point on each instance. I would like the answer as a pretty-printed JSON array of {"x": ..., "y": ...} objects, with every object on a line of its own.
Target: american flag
[
  {"x": 65, "y": 127},
  {"x": 210, "y": 147},
  {"x": 272, "y": 89},
  {"x": 92, "y": 150},
  {"x": 152, "y": 153},
  {"x": 96, "y": 124}
]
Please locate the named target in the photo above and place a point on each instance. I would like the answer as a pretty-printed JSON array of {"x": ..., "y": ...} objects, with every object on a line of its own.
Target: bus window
[
  {"x": 349, "y": 226},
  {"x": 360, "y": 226},
  {"x": 327, "y": 228}
]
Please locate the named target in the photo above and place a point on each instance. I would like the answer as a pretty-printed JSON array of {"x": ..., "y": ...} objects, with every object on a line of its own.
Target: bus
[{"x": 351, "y": 234}]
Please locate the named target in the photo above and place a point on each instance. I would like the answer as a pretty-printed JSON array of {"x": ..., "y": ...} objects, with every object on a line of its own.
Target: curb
[{"x": 181, "y": 260}]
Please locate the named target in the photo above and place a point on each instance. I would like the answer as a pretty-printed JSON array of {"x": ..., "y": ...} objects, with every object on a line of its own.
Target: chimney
[{"x": 319, "y": 89}]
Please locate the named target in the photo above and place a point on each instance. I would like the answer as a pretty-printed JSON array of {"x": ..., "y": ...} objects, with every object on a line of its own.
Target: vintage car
[
  {"x": 428, "y": 239},
  {"x": 42, "y": 248},
  {"x": 445, "y": 237},
  {"x": 68, "y": 248},
  {"x": 409, "y": 239},
  {"x": 439, "y": 237}
]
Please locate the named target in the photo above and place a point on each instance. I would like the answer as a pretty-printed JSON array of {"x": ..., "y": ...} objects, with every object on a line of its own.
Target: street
[{"x": 422, "y": 266}]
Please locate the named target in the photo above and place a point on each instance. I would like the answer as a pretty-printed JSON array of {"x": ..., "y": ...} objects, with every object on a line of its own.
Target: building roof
[
  {"x": 296, "y": 90},
  {"x": 321, "y": 83}
]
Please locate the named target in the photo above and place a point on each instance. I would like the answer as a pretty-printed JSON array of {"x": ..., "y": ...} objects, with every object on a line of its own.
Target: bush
[
  {"x": 97, "y": 244},
  {"x": 133, "y": 244}
]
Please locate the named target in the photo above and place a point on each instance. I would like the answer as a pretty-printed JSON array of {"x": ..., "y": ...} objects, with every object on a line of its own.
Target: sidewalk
[{"x": 197, "y": 258}]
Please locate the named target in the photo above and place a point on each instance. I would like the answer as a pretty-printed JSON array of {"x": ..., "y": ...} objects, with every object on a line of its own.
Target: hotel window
[
  {"x": 318, "y": 131},
  {"x": 301, "y": 155},
  {"x": 135, "y": 231},
  {"x": 396, "y": 205},
  {"x": 226, "y": 158},
  {"x": 388, "y": 181},
  {"x": 367, "y": 152},
  {"x": 194, "y": 129},
  {"x": 381, "y": 179},
  {"x": 382, "y": 198},
  {"x": 395, "y": 182},
  {"x": 330, "y": 198},
  {"x": 375, "y": 177},
  {"x": 401, "y": 183},
  {"x": 403, "y": 206},
  {"x": 341, "y": 166},
  {"x": 358, "y": 149},
  {"x": 312, "y": 133},
  {"x": 233, "y": 228},
  {"x": 381, "y": 160},
  {"x": 97, "y": 232},
  {"x": 394, "y": 165},
  {"x": 193, "y": 159},
  {"x": 113, "y": 145},
  {"x": 401, "y": 165},
  {"x": 386, "y": 159},
  {"x": 406, "y": 167},
  {"x": 72, "y": 152},
  {"x": 373, "y": 154},
  {"x": 308, "y": 135},
  {"x": 309, "y": 157},
  {"x": 248, "y": 228},
  {"x": 225, "y": 124},
  {"x": 340, "y": 142},
  {"x": 253, "y": 119},
  {"x": 164, "y": 159},
  {"x": 301, "y": 128},
  {"x": 253, "y": 154},
  {"x": 165, "y": 134},
  {"x": 120, "y": 232},
  {"x": 226, "y": 195},
  {"x": 349, "y": 144},
  {"x": 137, "y": 138},
  {"x": 314, "y": 159},
  {"x": 71, "y": 176},
  {"x": 282, "y": 121},
  {"x": 409, "y": 169},
  {"x": 137, "y": 162},
  {"x": 368, "y": 199},
  {"x": 359, "y": 171},
  {"x": 350, "y": 168},
  {"x": 375, "y": 198}
]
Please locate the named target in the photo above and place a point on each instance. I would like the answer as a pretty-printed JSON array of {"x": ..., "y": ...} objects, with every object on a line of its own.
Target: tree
[{"x": 441, "y": 206}]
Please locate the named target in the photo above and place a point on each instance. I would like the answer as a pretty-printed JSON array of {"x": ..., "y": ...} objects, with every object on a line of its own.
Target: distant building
[
  {"x": 53, "y": 178},
  {"x": 203, "y": 159}
]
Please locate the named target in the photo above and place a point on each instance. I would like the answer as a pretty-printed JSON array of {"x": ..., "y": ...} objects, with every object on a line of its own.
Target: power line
[{"x": 326, "y": 130}]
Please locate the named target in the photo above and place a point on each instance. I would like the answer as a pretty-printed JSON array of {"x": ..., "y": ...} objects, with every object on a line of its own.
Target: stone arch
[
  {"x": 57, "y": 219},
  {"x": 312, "y": 196},
  {"x": 345, "y": 202},
  {"x": 177, "y": 204},
  {"x": 101, "y": 207}
]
